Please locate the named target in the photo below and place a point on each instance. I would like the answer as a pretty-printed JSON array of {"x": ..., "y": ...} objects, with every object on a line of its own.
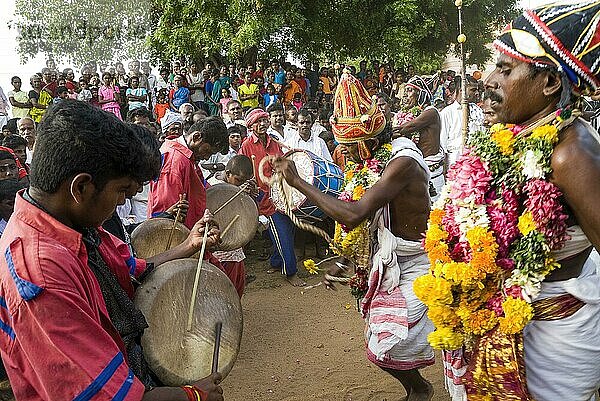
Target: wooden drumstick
[
  {"x": 253, "y": 167},
  {"x": 197, "y": 279},
  {"x": 215, "y": 361},
  {"x": 238, "y": 193},
  {"x": 181, "y": 197},
  {"x": 237, "y": 216}
]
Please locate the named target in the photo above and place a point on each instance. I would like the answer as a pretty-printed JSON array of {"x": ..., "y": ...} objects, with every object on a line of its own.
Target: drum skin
[
  {"x": 177, "y": 356},
  {"x": 244, "y": 228},
  {"x": 151, "y": 237}
]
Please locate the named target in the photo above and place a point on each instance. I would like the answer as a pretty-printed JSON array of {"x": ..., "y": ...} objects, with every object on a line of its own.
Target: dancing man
[{"x": 386, "y": 194}]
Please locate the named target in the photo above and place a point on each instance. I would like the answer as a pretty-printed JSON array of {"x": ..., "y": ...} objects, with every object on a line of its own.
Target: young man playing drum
[
  {"x": 69, "y": 327},
  {"x": 391, "y": 201}
]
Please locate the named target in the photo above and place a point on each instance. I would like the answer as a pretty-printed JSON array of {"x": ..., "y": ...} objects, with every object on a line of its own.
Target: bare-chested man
[
  {"x": 548, "y": 57},
  {"x": 424, "y": 130},
  {"x": 396, "y": 207}
]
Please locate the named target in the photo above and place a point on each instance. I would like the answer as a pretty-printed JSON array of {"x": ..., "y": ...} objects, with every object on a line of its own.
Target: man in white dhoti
[{"x": 381, "y": 216}]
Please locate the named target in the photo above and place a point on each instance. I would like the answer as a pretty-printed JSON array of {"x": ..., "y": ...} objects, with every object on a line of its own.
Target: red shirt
[
  {"x": 179, "y": 174},
  {"x": 253, "y": 146},
  {"x": 56, "y": 338}
]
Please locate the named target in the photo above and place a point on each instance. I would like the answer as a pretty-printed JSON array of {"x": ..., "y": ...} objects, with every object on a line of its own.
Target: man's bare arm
[
  {"x": 394, "y": 179},
  {"x": 423, "y": 121}
]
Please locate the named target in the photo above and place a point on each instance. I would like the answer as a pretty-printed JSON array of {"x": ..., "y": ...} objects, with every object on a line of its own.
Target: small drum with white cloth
[
  {"x": 152, "y": 236},
  {"x": 178, "y": 356},
  {"x": 243, "y": 228},
  {"x": 325, "y": 175}
]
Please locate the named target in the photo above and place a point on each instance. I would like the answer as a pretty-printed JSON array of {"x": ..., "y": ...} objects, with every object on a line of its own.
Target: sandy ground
[{"x": 303, "y": 345}]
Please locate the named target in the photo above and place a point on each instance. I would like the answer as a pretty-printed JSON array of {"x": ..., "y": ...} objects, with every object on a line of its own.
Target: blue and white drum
[{"x": 322, "y": 174}]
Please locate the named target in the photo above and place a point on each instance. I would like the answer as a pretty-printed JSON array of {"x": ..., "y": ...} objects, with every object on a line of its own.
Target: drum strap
[{"x": 125, "y": 317}]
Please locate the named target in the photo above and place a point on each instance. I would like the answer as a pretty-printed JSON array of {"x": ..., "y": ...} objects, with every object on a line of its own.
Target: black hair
[
  {"x": 9, "y": 189},
  {"x": 274, "y": 107},
  {"x": 15, "y": 77},
  {"x": 5, "y": 155},
  {"x": 61, "y": 89},
  {"x": 234, "y": 129},
  {"x": 305, "y": 113},
  {"x": 150, "y": 146},
  {"x": 326, "y": 136},
  {"x": 324, "y": 114},
  {"x": 384, "y": 96},
  {"x": 14, "y": 141},
  {"x": 311, "y": 105},
  {"x": 240, "y": 165},
  {"x": 76, "y": 137},
  {"x": 214, "y": 132},
  {"x": 138, "y": 112}
]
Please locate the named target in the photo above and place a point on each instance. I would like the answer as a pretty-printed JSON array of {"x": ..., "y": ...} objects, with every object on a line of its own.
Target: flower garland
[
  {"x": 355, "y": 243},
  {"x": 491, "y": 233},
  {"x": 405, "y": 116}
]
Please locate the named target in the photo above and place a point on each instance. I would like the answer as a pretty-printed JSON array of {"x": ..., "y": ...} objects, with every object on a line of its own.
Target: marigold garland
[
  {"x": 355, "y": 243},
  {"x": 491, "y": 233}
]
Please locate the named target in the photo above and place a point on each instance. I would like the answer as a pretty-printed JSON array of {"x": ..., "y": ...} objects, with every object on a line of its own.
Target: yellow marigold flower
[
  {"x": 445, "y": 338},
  {"x": 496, "y": 127},
  {"x": 480, "y": 322},
  {"x": 505, "y": 140},
  {"x": 546, "y": 132},
  {"x": 433, "y": 290},
  {"x": 435, "y": 233},
  {"x": 443, "y": 316},
  {"x": 388, "y": 147},
  {"x": 349, "y": 174},
  {"x": 358, "y": 192},
  {"x": 437, "y": 252},
  {"x": 310, "y": 266},
  {"x": 526, "y": 223},
  {"x": 517, "y": 313},
  {"x": 435, "y": 217}
]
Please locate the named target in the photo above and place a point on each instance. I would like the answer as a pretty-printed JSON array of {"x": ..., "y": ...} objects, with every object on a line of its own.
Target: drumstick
[
  {"x": 253, "y": 167},
  {"x": 197, "y": 279},
  {"x": 237, "y": 216},
  {"x": 238, "y": 193},
  {"x": 181, "y": 197},
  {"x": 215, "y": 361}
]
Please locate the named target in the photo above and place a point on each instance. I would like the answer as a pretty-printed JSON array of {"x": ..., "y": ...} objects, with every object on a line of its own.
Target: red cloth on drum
[
  {"x": 179, "y": 174},
  {"x": 253, "y": 146},
  {"x": 56, "y": 338},
  {"x": 236, "y": 271}
]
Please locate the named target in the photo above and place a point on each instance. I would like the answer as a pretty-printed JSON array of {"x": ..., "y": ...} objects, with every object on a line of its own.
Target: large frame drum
[
  {"x": 151, "y": 237},
  {"x": 177, "y": 356}
]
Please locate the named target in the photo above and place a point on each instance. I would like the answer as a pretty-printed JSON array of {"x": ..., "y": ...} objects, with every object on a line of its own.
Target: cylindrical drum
[
  {"x": 152, "y": 236},
  {"x": 325, "y": 175}
]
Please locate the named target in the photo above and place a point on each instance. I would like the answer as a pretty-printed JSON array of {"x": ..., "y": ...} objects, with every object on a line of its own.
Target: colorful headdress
[
  {"x": 563, "y": 35},
  {"x": 254, "y": 115},
  {"x": 356, "y": 116},
  {"x": 423, "y": 87}
]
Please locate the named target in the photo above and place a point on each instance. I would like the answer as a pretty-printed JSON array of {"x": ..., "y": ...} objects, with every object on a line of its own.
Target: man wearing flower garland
[
  {"x": 381, "y": 216},
  {"x": 510, "y": 238},
  {"x": 421, "y": 122}
]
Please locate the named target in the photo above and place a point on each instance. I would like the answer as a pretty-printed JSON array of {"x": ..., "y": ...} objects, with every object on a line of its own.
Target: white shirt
[
  {"x": 451, "y": 131},
  {"x": 314, "y": 144},
  {"x": 273, "y": 133},
  {"x": 317, "y": 128}
]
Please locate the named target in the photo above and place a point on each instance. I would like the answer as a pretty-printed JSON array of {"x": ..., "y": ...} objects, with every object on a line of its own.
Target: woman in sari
[
  {"x": 39, "y": 99},
  {"x": 179, "y": 94},
  {"x": 109, "y": 95},
  {"x": 215, "y": 96}
]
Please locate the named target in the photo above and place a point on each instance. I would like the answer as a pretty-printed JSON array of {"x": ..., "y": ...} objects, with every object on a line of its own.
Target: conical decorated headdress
[
  {"x": 356, "y": 116},
  {"x": 563, "y": 35}
]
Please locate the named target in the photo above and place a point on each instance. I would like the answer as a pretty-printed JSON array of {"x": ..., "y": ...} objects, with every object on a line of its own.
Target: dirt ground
[{"x": 306, "y": 345}]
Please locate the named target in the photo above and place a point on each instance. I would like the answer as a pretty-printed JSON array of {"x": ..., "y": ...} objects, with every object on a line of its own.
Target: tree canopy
[{"x": 406, "y": 31}]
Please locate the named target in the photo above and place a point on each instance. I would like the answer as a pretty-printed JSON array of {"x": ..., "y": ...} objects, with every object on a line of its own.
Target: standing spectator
[
  {"x": 84, "y": 94},
  {"x": 270, "y": 97},
  {"x": 8, "y": 192},
  {"x": 162, "y": 104},
  {"x": 18, "y": 99},
  {"x": 225, "y": 98},
  {"x": 136, "y": 96},
  {"x": 248, "y": 93},
  {"x": 26, "y": 128},
  {"x": 48, "y": 83},
  {"x": 196, "y": 86},
  {"x": 305, "y": 137},
  {"x": 69, "y": 76},
  {"x": 179, "y": 94},
  {"x": 39, "y": 98},
  {"x": 277, "y": 119},
  {"x": 290, "y": 89},
  {"x": 109, "y": 96},
  {"x": 18, "y": 144}
]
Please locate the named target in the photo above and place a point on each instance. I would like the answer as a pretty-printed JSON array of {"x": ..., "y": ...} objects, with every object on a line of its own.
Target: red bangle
[{"x": 191, "y": 393}]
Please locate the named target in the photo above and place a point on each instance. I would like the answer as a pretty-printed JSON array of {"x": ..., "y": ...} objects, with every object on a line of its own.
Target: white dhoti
[
  {"x": 562, "y": 357},
  {"x": 397, "y": 322}
]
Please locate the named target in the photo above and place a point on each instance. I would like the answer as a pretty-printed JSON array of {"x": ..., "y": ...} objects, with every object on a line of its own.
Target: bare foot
[
  {"x": 295, "y": 281},
  {"x": 272, "y": 270},
  {"x": 426, "y": 396}
]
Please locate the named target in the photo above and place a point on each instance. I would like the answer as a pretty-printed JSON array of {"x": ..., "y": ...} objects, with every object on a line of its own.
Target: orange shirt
[{"x": 294, "y": 88}]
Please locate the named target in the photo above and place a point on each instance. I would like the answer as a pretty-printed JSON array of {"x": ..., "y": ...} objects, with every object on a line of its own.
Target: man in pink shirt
[{"x": 68, "y": 325}]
